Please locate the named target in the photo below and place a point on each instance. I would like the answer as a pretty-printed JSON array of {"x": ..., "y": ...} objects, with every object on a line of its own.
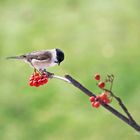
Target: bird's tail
[{"x": 16, "y": 57}]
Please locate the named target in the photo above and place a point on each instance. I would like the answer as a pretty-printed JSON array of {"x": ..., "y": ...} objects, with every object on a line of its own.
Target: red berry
[
  {"x": 43, "y": 80},
  {"x": 103, "y": 96},
  {"x": 95, "y": 104},
  {"x": 106, "y": 101},
  {"x": 39, "y": 81},
  {"x": 92, "y": 99},
  {"x": 31, "y": 79},
  {"x": 44, "y": 76},
  {"x": 97, "y": 77},
  {"x": 92, "y": 104},
  {"x": 34, "y": 83},
  {"x": 36, "y": 78},
  {"x": 37, "y": 74},
  {"x": 31, "y": 83},
  {"x": 46, "y": 80},
  {"x": 97, "y": 98},
  {"x": 101, "y": 84}
]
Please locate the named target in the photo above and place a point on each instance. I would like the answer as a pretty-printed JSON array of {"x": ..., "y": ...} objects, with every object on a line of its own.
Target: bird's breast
[{"x": 42, "y": 64}]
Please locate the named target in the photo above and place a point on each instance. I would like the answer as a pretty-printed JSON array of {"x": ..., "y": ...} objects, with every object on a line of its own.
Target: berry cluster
[
  {"x": 37, "y": 79},
  {"x": 103, "y": 98},
  {"x": 101, "y": 84}
]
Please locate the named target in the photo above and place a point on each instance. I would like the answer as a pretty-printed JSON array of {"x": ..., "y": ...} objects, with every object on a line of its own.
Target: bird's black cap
[{"x": 59, "y": 55}]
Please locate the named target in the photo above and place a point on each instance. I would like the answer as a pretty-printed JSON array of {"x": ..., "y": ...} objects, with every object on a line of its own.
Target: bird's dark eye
[{"x": 60, "y": 55}]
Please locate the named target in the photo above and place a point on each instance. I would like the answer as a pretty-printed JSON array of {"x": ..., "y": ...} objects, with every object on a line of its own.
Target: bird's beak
[{"x": 57, "y": 62}]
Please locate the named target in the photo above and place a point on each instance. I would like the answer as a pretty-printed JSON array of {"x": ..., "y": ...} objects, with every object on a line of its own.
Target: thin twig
[
  {"x": 120, "y": 102},
  {"x": 124, "y": 108},
  {"x": 52, "y": 75},
  {"x": 61, "y": 78}
]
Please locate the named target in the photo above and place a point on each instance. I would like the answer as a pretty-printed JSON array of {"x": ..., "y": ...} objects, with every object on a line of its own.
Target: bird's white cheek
[{"x": 52, "y": 64}]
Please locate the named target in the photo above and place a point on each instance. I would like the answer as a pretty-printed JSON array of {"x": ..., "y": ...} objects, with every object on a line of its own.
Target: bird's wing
[{"x": 39, "y": 55}]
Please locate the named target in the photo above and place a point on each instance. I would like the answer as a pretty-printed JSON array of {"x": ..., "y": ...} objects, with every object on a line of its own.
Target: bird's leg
[{"x": 35, "y": 70}]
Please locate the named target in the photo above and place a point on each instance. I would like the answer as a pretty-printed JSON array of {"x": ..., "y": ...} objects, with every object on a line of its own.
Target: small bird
[{"x": 41, "y": 60}]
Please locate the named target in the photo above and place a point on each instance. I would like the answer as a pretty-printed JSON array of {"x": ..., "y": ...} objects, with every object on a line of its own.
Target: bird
[{"x": 42, "y": 60}]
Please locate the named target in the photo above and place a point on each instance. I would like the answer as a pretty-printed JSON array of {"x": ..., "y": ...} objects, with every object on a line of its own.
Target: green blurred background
[{"x": 97, "y": 36}]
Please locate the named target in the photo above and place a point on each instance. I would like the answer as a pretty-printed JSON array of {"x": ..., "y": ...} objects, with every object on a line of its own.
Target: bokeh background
[{"x": 97, "y": 36}]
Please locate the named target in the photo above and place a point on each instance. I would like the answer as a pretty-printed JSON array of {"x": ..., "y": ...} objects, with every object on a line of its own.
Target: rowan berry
[
  {"x": 92, "y": 99},
  {"x": 97, "y": 77},
  {"x": 101, "y": 85},
  {"x": 96, "y": 104}
]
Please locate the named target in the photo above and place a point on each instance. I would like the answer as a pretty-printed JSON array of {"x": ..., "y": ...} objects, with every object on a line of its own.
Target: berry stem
[{"x": 111, "y": 80}]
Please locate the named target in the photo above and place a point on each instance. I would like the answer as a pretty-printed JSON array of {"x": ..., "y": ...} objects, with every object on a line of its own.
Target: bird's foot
[
  {"x": 49, "y": 74},
  {"x": 37, "y": 71}
]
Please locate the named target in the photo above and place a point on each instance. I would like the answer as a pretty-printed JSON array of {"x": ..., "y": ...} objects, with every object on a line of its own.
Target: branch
[
  {"x": 121, "y": 105},
  {"x": 61, "y": 78},
  {"x": 128, "y": 120}
]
